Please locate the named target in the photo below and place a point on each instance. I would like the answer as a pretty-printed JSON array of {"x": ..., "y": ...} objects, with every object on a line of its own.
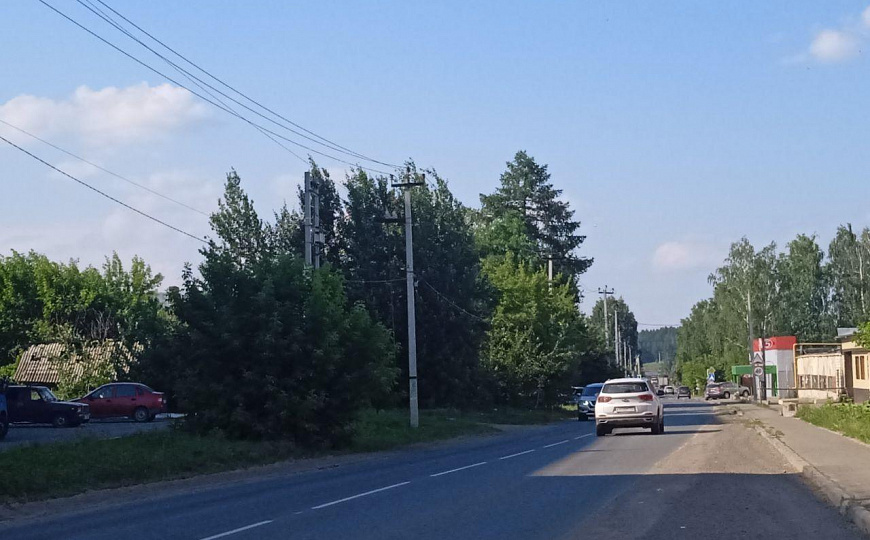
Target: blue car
[
  {"x": 4, "y": 413},
  {"x": 586, "y": 401}
]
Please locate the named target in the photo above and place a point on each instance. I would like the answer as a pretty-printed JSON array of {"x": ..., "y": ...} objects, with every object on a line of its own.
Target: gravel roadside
[{"x": 723, "y": 482}]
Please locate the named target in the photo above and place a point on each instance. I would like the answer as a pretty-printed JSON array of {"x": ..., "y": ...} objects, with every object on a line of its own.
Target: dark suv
[
  {"x": 4, "y": 414},
  {"x": 37, "y": 405}
]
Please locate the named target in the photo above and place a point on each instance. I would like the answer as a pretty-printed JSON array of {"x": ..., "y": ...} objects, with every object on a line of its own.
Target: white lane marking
[
  {"x": 459, "y": 469},
  {"x": 318, "y": 507},
  {"x": 556, "y": 443},
  {"x": 517, "y": 454},
  {"x": 584, "y": 436},
  {"x": 240, "y": 529}
]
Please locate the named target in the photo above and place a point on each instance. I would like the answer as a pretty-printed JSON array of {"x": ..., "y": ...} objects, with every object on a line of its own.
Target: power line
[
  {"x": 94, "y": 9},
  {"x": 452, "y": 303},
  {"x": 334, "y": 146},
  {"x": 107, "y": 171},
  {"x": 374, "y": 281},
  {"x": 199, "y": 95},
  {"x": 103, "y": 193}
]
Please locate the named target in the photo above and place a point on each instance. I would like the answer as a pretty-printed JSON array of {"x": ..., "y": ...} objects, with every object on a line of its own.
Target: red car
[{"x": 131, "y": 400}]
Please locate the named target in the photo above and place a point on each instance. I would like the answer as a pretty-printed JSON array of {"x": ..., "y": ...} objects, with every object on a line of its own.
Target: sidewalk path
[
  {"x": 836, "y": 465},
  {"x": 841, "y": 459}
]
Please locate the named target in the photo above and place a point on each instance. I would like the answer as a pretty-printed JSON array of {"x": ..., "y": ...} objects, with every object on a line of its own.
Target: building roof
[
  {"x": 845, "y": 333},
  {"x": 40, "y": 364}
]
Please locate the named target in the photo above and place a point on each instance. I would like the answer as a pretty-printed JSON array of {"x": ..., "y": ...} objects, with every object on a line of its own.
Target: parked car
[
  {"x": 125, "y": 400},
  {"x": 669, "y": 390},
  {"x": 684, "y": 391},
  {"x": 4, "y": 413},
  {"x": 576, "y": 392},
  {"x": 730, "y": 389},
  {"x": 628, "y": 403},
  {"x": 38, "y": 405},
  {"x": 586, "y": 402}
]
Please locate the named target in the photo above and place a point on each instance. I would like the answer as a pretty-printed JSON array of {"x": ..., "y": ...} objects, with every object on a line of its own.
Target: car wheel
[
  {"x": 60, "y": 421},
  {"x": 745, "y": 393},
  {"x": 657, "y": 427},
  {"x": 601, "y": 431},
  {"x": 141, "y": 414},
  {"x": 4, "y": 427},
  {"x": 727, "y": 395}
]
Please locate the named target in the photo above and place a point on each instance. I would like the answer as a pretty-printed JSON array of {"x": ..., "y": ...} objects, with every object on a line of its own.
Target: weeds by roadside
[{"x": 847, "y": 418}]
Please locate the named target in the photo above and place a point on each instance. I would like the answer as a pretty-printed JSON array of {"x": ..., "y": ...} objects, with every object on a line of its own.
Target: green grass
[
  {"x": 390, "y": 429},
  {"x": 43, "y": 471},
  {"x": 847, "y": 418},
  {"x": 53, "y": 470}
]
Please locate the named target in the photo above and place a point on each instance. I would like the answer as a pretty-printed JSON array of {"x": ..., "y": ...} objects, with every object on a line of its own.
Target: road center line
[
  {"x": 556, "y": 443},
  {"x": 240, "y": 529},
  {"x": 352, "y": 497},
  {"x": 583, "y": 436},
  {"x": 517, "y": 454},
  {"x": 459, "y": 469}
]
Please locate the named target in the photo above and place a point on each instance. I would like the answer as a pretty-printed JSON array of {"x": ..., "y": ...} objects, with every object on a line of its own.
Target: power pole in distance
[
  {"x": 307, "y": 217},
  {"x": 616, "y": 337},
  {"x": 315, "y": 230},
  {"x": 605, "y": 292},
  {"x": 409, "y": 275}
]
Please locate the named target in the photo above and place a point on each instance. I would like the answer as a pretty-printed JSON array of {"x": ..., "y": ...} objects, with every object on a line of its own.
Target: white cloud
[
  {"x": 839, "y": 44},
  {"x": 691, "y": 255},
  {"x": 104, "y": 227},
  {"x": 834, "y": 46},
  {"x": 108, "y": 116}
]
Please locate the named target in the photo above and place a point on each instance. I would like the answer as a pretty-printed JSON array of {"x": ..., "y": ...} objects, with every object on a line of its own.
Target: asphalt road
[
  {"x": 701, "y": 479},
  {"x": 24, "y": 434}
]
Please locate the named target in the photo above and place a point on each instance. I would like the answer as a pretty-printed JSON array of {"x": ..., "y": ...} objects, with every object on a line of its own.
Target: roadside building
[
  {"x": 820, "y": 369},
  {"x": 856, "y": 365},
  {"x": 778, "y": 352},
  {"x": 49, "y": 363}
]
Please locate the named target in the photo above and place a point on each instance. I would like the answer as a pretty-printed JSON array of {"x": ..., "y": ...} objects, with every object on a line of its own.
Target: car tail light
[
  {"x": 646, "y": 397},
  {"x": 604, "y": 399}
]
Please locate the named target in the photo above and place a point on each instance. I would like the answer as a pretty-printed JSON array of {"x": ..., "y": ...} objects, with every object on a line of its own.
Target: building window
[{"x": 860, "y": 368}]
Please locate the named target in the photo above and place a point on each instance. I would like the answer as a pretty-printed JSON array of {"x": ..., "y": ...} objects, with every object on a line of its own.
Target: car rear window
[
  {"x": 625, "y": 388},
  {"x": 594, "y": 391}
]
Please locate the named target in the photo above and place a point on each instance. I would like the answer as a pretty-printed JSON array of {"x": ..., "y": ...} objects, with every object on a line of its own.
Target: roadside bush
[
  {"x": 850, "y": 419},
  {"x": 273, "y": 350}
]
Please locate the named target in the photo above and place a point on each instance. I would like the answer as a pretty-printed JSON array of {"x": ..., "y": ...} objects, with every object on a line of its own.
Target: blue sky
[{"x": 674, "y": 128}]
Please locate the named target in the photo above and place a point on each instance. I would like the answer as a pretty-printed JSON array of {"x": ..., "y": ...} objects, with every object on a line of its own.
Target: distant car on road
[
  {"x": 684, "y": 391},
  {"x": 669, "y": 390},
  {"x": 37, "y": 405},
  {"x": 628, "y": 403},
  {"x": 125, "y": 400},
  {"x": 586, "y": 401}
]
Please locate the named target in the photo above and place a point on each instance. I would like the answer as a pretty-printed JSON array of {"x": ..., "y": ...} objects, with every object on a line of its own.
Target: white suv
[{"x": 628, "y": 403}]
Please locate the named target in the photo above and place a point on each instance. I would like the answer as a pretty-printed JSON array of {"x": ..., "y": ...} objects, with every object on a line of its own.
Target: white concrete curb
[{"x": 825, "y": 488}]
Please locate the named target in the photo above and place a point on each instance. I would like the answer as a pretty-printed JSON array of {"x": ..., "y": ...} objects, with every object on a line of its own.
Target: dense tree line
[
  {"x": 659, "y": 343},
  {"x": 800, "y": 291},
  {"x": 258, "y": 345},
  {"x": 47, "y": 301}
]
